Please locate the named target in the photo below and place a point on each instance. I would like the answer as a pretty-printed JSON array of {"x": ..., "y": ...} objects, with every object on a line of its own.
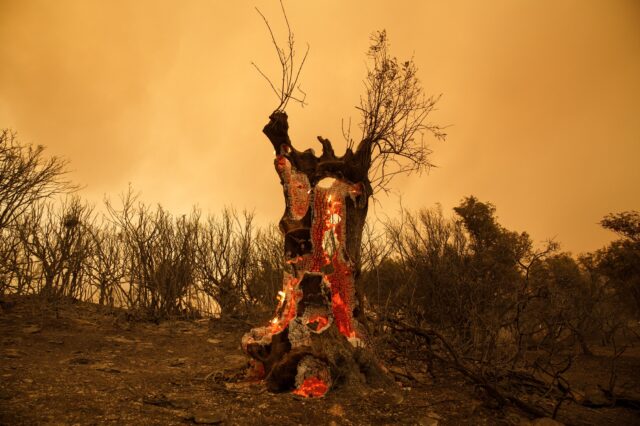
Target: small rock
[
  {"x": 394, "y": 397},
  {"x": 403, "y": 381},
  {"x": 336, "y": 410},
  {"x": 106, "y": 367},
  {"x": 80, "y": 361},
  {"x": 81, "y": 321},
  {"x": 120, "y": 339},
  {"x": 398, "y": 370},
  {"x": 434, "y": 415},
  {"x": 177, "y": 362},
  {"x": 420, "y": 377},
  {"x": 207, "y": 418},
  {"x": 27, "y": 381},
  {"x": 594, "y": 397},
  {"x": 428, "y": 421},
  {"x": 56, "y": 342},
  {"x": 214, "y": 341},
  {"x": 32, "y": 329},
  {"x": 180, "y": 403},
  {"x": 165, "y": 401},
  {"x": 543, "y": 421},
  {"x": 511, "y": 418},
  {"x": 159, "y": 400},
  {"x": 13, "y": 353}
]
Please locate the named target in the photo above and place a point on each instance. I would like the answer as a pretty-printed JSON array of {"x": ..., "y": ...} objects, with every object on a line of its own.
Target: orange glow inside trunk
[{"x": 312, "y": 387}]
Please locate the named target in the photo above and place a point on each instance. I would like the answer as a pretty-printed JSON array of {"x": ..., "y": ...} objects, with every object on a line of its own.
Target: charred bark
[{"x": 318, "y": 337}]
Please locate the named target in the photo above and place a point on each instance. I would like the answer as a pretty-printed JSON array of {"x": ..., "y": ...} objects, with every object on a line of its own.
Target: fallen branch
[{"x": 451, "y": 359}]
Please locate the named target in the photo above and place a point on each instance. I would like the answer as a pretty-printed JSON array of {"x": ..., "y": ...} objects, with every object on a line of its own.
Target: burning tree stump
[{"x": 318, "y": 337}]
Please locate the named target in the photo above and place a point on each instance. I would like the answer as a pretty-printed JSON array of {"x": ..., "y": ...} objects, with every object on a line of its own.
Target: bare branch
[
  {"x": 394, "y": 112},
  {"x": 290, "y": 72},
  {"x": 26, "y": 177}
]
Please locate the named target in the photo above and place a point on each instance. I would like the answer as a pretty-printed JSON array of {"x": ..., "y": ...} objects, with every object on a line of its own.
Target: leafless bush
[
  {"x": 267, "y": 275},
  {"x": 15, "y": 268},
  {"x": 431, "y": 252},
  {"x": 56, "y": 244},
  {"x": 160, "y": 257},
  {"x": 106, "y": 268},
  {"x": 376, "y": 264},
  {"x": 26, "y": 177},
  {"x": 224, "y": 258}
]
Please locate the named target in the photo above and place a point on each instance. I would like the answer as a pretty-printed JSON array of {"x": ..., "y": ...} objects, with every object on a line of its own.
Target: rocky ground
[{"x": 77, "y": 363}]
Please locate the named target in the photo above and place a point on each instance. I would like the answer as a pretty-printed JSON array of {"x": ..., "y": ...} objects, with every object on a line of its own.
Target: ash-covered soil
[{"x": 80, "y": 364}]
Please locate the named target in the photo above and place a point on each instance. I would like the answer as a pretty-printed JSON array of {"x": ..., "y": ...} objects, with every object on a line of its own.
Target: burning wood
[
  {"x": 327, "y": 200},
  {"x": 313, "y": 378},
  {"x": 315, "y": 335}
]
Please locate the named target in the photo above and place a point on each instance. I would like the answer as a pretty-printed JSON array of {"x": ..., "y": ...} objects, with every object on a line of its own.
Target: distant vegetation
[{"x": 460, "y": 290}]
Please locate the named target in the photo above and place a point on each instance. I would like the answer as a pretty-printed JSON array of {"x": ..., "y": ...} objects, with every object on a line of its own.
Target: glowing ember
[
  {"x": 328, "y": 235},
  {"x": 312, "y": 387},
  {"x": 319, "y": 321},
  {"x": 296, "y": 188},
  {"x": 318, "y": 287},
  {"x": 287, "y": 313}
]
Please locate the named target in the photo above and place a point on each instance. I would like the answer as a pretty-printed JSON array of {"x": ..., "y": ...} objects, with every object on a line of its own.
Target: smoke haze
[{"x": 543, "y": 98}]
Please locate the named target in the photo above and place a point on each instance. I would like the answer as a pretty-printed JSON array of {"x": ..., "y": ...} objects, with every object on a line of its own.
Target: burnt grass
[{"x": 77, "y": 363}]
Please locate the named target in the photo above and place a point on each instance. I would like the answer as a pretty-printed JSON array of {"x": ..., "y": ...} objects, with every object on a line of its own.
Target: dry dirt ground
[{"x": 77, "y": 363}]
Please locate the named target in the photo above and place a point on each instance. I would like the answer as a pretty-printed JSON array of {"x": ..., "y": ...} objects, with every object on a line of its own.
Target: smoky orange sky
[{"x": 543, "y": 99}]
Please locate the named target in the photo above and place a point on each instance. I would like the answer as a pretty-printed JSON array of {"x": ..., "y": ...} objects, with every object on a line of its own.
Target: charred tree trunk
[{"x": 318, "y": 337}]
